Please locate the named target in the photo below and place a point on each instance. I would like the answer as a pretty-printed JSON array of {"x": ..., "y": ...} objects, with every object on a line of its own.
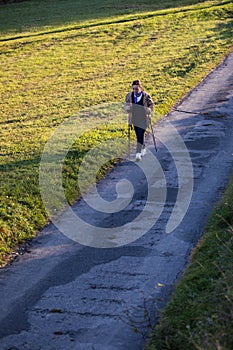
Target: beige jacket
[{"x": 148, "y": 104}]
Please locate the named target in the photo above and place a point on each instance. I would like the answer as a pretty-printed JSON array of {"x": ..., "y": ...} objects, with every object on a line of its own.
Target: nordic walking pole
[
  {"x": 153, "y": 136},
  {"x": 129, "y": 127},
  {"x": 129, "y": 141}
]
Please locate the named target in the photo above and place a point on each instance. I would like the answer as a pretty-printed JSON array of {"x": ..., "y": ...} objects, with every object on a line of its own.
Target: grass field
[
  {"x": 52, "y": 14},
  {"x": 58, "y": 60}
]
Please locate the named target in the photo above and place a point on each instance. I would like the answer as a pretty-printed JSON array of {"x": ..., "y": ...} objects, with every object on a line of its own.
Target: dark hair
[{"x": 137, "y": 82}]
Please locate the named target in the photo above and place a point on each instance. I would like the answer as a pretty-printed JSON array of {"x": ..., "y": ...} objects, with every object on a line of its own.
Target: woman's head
[{"x": 137, "y": 86}]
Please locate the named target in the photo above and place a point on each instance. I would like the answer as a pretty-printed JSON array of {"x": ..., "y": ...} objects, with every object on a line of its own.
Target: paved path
[{"x": 63, "y": 296}]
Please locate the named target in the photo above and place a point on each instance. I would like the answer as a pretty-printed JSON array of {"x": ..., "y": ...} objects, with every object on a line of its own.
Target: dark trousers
[{"x": 140, "y": 133}]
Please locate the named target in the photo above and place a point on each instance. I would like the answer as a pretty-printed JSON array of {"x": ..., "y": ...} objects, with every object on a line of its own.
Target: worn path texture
[{"x": 62, "y": 295}]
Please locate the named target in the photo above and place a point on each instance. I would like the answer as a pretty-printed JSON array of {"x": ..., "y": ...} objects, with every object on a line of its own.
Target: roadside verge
[{"x": 200, "y": 313}]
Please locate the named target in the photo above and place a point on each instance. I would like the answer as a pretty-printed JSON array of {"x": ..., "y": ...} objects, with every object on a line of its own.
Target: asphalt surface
[{"x": 61, "y": 295}]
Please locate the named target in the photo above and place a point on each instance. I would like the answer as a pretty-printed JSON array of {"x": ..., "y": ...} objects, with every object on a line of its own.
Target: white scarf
[{"x": 137, "y": 98}]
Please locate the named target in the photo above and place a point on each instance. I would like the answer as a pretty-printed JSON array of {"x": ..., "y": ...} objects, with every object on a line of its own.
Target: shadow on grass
[
  {"x": 20, "y": 164},
  {"x": 224, "y": 30},
  {"x": 33, "y": 15}
]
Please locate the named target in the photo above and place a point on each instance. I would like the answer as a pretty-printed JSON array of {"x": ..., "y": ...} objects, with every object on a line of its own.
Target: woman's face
[{"x": 136, "y": 89}]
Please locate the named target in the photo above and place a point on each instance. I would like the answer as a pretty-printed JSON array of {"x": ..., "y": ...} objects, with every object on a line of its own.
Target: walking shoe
[
  {"x": 138, "y": 157},
  {"x": 143, "y": 153}
]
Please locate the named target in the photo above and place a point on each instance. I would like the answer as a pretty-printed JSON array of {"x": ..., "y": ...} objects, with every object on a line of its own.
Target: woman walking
[{"x": 138, "y": 105}]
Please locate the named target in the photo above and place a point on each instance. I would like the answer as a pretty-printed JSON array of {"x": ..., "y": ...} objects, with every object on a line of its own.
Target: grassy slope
[
  {"x": 200, "y": 315},
  {"x": 50, "y": 77},
  {"x": 48, "y": 14}
]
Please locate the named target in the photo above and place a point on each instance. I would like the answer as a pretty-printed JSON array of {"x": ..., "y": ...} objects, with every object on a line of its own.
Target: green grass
[
  {"x": 51, "y": 14},
  {"x": 58, "y": 68},
  {"x": 200, "y": 314}
]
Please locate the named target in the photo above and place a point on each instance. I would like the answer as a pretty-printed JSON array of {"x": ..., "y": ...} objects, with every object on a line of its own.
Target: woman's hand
[{"x": 147, "y": 110}]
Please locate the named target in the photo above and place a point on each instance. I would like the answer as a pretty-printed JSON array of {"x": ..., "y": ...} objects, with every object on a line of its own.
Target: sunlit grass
[{"x": 48, "y": 78}]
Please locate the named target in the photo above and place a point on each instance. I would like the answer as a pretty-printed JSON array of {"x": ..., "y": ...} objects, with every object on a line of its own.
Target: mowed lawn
[{"x": 58, "y": 58}]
